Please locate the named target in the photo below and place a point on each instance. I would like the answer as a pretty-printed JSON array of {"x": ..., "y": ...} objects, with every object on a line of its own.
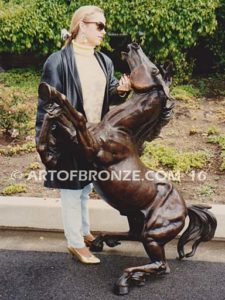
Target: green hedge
[
  {"x": 217, "y": 42},
  {"x": 169, "y": 28},
  {"x": 31, "y": 26}
]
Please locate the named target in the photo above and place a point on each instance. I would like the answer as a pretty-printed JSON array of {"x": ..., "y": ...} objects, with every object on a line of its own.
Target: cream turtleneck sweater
[{"x": 92, "y": 79}]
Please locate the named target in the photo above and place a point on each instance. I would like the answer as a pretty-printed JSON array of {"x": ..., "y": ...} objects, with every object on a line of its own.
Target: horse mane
[{"x": 151, "y": 130}]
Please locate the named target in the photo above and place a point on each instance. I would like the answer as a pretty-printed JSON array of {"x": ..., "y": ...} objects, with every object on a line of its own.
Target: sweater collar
[{"x": 83, "y": 49}]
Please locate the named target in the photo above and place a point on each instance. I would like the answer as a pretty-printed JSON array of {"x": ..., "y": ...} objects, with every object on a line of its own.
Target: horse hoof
[
  {"x": 96, "y": 248},
  {"x": 121, "y": 290},
  {"x": 139, "y": 283},
  {"x": 167, "y": 270},
  {"x": 112, "y": 242},
  {"x": 138, "y": 279},
  {"x": 97, "y": 244}
]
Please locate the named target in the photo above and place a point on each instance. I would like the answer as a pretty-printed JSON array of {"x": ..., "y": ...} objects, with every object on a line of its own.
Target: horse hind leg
[{"x": 154, "y": 240}]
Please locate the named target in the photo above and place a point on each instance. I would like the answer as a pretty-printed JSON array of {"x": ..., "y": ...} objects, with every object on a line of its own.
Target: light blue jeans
[{"x": 75, "y": 215}]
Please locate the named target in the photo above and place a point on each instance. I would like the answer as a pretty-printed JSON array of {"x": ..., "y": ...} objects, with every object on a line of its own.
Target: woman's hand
[{"x": 124, "y": 84}]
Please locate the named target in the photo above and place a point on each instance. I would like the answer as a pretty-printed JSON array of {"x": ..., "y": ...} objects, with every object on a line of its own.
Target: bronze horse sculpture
[{"x": 155, "y": 210}]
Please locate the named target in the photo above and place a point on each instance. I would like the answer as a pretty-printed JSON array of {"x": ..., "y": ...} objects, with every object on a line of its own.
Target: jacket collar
[{"x": 71, "y": 62}]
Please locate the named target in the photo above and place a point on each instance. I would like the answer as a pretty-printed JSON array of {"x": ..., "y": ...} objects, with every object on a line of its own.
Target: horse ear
[
  {"x": 160, "y": 81},
  {"x": 168, "y": 66},
  {"x": 167, "y": 70},
  {"x": 140, "y": 79}
]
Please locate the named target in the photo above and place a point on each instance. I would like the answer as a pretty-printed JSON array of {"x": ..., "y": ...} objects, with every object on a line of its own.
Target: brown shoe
[{"x": 92, "y": 259}]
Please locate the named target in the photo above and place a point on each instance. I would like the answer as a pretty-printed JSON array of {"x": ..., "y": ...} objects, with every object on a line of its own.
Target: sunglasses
[{"x": 100, "y": 26}]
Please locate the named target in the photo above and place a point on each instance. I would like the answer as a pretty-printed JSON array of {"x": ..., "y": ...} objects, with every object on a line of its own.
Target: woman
[{"x": 86, "y": 77}]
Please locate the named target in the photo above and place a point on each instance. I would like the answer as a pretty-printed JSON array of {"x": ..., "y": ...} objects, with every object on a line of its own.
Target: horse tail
[{"x": 201, "y": 228}]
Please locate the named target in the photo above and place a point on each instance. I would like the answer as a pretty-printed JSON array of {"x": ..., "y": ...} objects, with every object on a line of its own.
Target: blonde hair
[{"x": 82, "y": 13}]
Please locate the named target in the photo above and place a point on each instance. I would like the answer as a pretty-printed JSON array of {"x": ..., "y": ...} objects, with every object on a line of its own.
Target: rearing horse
[{"x": 155, "y": 210}]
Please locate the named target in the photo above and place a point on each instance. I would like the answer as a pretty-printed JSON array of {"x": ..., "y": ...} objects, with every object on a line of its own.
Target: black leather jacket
[{"x": 60, "y": 72}]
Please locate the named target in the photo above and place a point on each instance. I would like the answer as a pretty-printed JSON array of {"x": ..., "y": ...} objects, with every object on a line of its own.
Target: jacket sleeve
[
  {"x": 114, "y": 97},
  {"x": 52, "y": 74}
]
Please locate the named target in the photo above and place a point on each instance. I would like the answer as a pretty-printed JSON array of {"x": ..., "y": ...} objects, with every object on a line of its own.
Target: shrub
[
  {"x": 15, "y": 113},
  {"x": 18, "y": 89}
]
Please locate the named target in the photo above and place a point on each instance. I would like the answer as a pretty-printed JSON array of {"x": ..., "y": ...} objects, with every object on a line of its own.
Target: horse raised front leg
[
  {"x": 85, "y": 138},
  {"x": 79, "y": 134},
  {"x": 68, "y": 128},
  {"x": 47, "y": 143}
]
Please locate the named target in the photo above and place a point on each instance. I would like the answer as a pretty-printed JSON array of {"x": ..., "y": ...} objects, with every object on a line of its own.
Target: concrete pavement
[
  {"x": 35, "y": 263},
  {"x": 35, "y": 224},
  {"x": 45, "y": 214},
  {"x": 213, "y": 251},
  {"x": 50, "y": 275}
]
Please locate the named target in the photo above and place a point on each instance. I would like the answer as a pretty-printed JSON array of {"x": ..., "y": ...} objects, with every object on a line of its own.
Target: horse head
[{"x": 144, "y": 74}]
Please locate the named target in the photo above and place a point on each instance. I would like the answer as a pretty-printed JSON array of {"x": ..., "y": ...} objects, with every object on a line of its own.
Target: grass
[
  {"x": 206, "y": 190},
  {"x": 34, "y": 166},
  {"x": 197, "y": 88},
  {"x": 18, "y": 149},
  {"x": 219, "y": 140},
  {"x": 14, "y": 189},
  {"x": 210, "y": 87},
  {"x": 156, "y": 155},
  {"x": 26, "y": 79},
  {"x": 186, "y": 93},
  {"x": 213, "y": 130}
]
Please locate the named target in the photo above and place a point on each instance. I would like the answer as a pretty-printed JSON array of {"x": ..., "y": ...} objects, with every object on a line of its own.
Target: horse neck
[{"x": 134, "y": 112}]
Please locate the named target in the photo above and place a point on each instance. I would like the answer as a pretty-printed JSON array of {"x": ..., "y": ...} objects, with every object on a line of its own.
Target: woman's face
[{"x": 94, "y": 29}]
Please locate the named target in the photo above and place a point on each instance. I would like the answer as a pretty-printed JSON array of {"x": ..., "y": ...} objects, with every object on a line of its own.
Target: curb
[{"x": 34, "y": 213}]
